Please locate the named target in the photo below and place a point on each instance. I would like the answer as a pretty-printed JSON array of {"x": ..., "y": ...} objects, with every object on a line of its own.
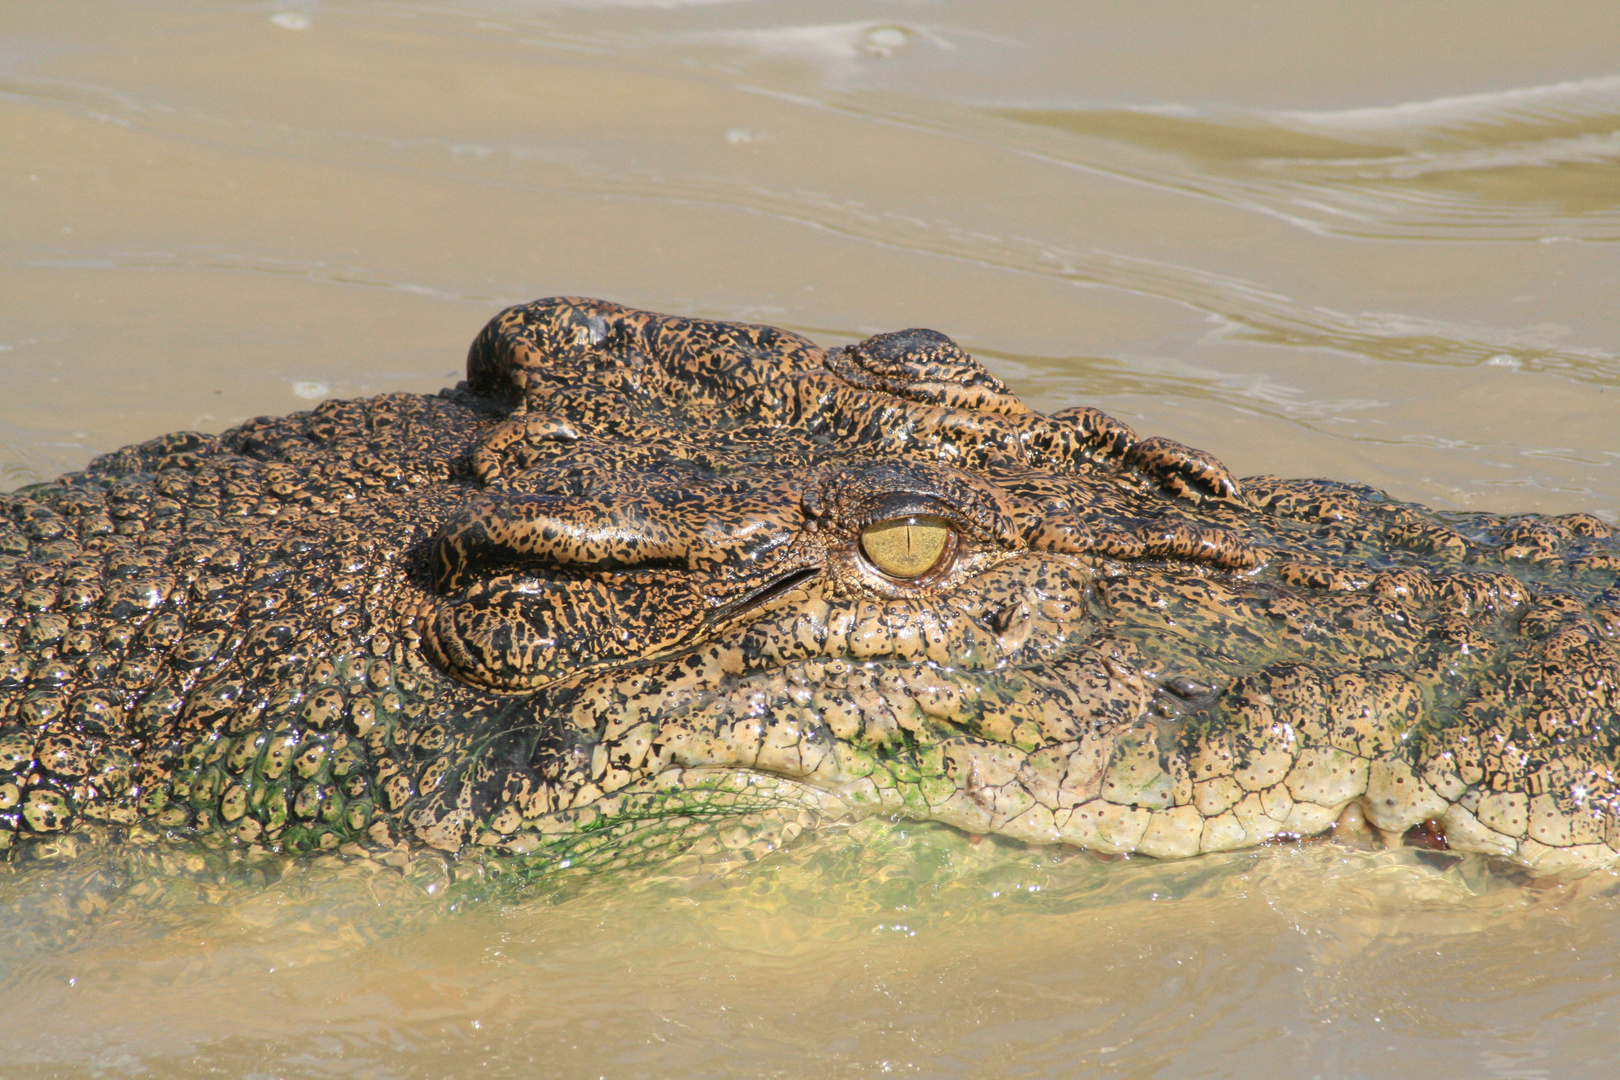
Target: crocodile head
[
  {"x": 643, "y": 578},
  {"x": 874, "y": 573}
]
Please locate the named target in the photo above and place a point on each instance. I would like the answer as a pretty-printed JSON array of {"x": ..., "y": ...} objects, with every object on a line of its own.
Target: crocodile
[{"x": 644, "y": 583}]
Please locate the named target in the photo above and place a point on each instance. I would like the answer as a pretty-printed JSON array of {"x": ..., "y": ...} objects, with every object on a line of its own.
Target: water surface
[{"x": 1369, "y": 241}]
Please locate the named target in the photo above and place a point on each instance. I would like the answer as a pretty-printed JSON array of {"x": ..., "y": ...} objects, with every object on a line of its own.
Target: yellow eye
[{"x": 908, "y": 547}]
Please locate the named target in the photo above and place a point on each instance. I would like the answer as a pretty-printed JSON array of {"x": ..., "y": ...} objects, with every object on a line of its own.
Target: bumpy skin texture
[{"x": 628, "y": 582}]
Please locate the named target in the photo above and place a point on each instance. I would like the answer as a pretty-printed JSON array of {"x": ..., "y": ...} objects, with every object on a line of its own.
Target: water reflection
[
  {"x": 1529, "y": 163},
  {"x": 902, "y": 944}
]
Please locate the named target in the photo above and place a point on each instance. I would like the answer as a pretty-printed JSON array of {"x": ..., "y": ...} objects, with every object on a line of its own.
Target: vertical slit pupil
[{"x": 906, "y": 547}]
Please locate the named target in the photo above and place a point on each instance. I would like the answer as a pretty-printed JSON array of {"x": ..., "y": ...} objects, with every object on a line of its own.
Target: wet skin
[{"x": 643, "y": 583}]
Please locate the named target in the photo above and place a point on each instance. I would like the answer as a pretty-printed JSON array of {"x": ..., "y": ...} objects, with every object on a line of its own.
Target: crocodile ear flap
[
  {"x": 512, "y": 634},
  {"x": 540, "y": 589},
  {"x": 547, "y": 533}
]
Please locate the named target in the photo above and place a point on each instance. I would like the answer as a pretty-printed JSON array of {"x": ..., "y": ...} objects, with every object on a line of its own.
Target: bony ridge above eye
[{"x": 908, "y": 547}]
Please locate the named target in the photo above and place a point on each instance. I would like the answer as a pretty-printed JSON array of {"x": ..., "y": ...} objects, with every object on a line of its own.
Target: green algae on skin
[{"x": 629, "y": 591}]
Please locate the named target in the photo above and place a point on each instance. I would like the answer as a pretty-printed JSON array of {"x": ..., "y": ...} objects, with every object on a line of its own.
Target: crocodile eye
[{"x": 908, "y": 547}]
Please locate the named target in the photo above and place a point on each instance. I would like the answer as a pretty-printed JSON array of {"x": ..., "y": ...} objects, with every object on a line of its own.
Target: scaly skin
[{"x": 625, "y": 589}]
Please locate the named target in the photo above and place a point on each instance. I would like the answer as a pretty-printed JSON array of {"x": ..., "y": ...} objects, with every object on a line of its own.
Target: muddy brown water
[{"x": 1376, "y": 242}]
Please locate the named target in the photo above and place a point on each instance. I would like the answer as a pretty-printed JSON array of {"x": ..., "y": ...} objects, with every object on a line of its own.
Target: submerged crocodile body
[{"x": 644, "y": 580}]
